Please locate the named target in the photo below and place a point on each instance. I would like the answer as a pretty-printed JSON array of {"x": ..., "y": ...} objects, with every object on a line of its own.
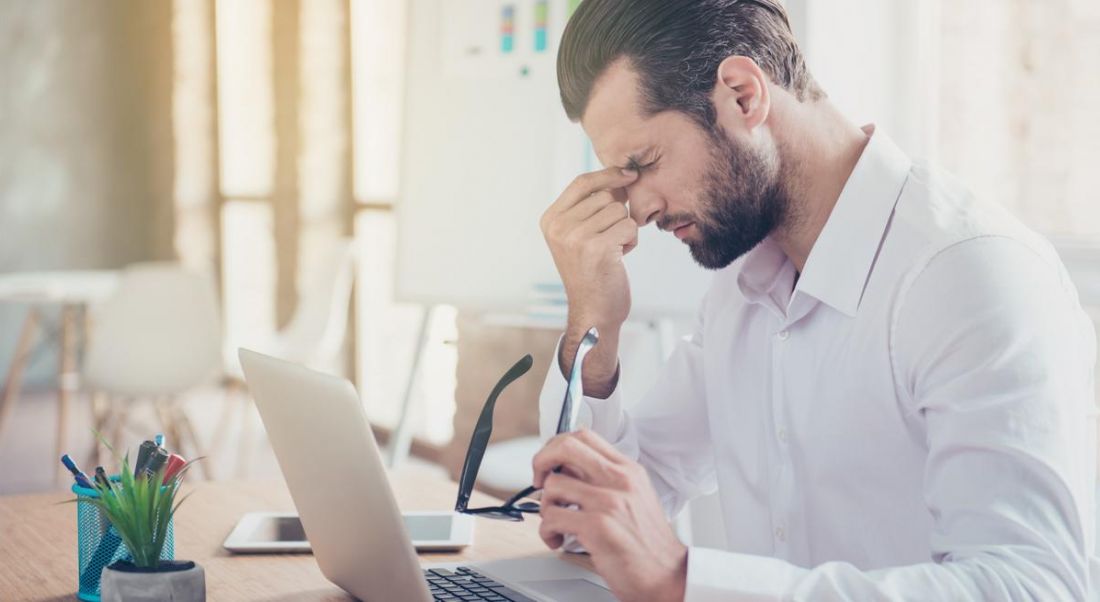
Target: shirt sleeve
[
  {"x": 666, "y": 430},
  {"x": 993, "y": 358}
]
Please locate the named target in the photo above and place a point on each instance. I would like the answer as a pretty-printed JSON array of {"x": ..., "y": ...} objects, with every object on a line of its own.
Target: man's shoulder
[
  {"x": 939, "y": 220},
  {"x": 936, "y": 212}
]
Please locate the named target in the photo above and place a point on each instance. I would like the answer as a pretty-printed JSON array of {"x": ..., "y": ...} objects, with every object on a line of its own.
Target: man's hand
[
  {"x": 588, "y": 230},
  {"x": 617, "y": 517}
]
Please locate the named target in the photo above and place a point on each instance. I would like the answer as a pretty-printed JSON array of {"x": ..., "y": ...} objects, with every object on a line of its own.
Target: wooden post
[
  {"x": 285, "y": 32},
  {"x": 66, "y": 378},
  {"x": 18, "y": 365}
]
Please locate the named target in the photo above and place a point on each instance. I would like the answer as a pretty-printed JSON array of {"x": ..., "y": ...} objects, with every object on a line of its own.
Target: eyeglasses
[{"x": 513, "y": 509}]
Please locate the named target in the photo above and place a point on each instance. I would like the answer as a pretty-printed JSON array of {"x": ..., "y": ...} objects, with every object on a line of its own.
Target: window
[{"x": 1019, "y": 91}]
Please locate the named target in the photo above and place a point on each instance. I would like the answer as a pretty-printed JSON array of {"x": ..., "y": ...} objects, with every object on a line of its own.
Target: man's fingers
[
  {"x": 601, "y": 445},
  {"x": 580, "y": 216},
  {"x": 550, "y": 537},
  {"x": 619, "y": 194},
  {"x": 604, "y": 466},
  {"x": 588, "y": 217},
  {"x": 630, "y": 246},
  {"x": 564, "y": 490},
  {"x": 556, "y": 523},
  {"x": 604, "y": 219},
  {"x": 624, "y": 233},
  {"x": 569, "y": 452},
  {"x": 589, "y": 206},
  {"x": 585, "y": 184}
]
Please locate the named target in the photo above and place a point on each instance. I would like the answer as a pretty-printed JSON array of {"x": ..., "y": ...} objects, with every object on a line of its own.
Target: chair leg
[
  {"x": 230, "y": 401},
  {"x": 14, "y": 380},
  {"x": 169, "y": 425},
  {"x": 187, "y": 427},
  {"x": 121, "y": 416},
  {"x": 101, "y": 414},
  {"x": 246, "y": 442}
]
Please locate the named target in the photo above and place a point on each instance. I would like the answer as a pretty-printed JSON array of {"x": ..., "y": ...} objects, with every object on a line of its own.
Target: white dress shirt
[{"x": 911, "y": 418}]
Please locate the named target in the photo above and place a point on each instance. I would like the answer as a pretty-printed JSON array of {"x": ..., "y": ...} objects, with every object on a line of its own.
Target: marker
[
  {"x": 80, "y": 477},
  {"x": 175, "y": 463},
  {"x": 101, "y": 477},
  {"x": 159, "y": 439},
  {"x": 156, "y": 461},
  {"x": 145, "y": 451}
]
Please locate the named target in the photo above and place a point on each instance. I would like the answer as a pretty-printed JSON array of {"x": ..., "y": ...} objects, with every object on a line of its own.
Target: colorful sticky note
[
  {"x": 507, "y": 28},
  {"x": 542, "y": 20}
]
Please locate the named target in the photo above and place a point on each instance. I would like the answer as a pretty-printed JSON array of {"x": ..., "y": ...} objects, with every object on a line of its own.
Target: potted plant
[{"x": 139, "y": 509}]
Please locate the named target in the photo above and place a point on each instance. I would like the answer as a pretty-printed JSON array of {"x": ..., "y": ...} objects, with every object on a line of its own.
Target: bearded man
[{"x": 890, "y": 382}]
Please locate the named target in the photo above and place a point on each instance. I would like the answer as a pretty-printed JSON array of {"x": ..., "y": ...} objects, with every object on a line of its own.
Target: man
[{"x": 890, "y": 383}]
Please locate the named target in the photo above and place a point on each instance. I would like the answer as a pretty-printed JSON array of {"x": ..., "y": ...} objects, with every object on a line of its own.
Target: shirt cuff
[
  {"x": 716, "y": 575},
  {"x": 604, "y": 416}
]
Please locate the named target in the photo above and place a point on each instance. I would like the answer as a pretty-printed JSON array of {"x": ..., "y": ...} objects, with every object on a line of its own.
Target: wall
[
  {"x": 875, "y": 61},
  {"x": 84, "y": 140}
]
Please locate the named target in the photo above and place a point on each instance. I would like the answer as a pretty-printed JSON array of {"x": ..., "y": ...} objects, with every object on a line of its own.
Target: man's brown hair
[{"x": 676, "y": 47}]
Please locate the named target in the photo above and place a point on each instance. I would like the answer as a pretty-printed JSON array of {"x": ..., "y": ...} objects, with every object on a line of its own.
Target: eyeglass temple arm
[
  {"x": 479, "y": 440},
  {"x": 574, "y": 389},
  {"x": 519, "y": 496}
]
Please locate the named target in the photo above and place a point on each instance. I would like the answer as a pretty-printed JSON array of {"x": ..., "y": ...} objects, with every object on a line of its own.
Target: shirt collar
[{"x": 840, "y": 262}]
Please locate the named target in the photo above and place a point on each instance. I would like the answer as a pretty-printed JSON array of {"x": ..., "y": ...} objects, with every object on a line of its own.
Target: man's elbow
[{"x": 1027, "y": 573}]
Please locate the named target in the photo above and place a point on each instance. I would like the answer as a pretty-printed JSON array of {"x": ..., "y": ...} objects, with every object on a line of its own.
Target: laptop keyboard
[{"x": 466, "y": 584}]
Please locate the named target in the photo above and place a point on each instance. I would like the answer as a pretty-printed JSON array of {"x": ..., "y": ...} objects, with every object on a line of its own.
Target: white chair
[
  {"x": 157, "y": 336},
  {"x": 314, "y": 337}
]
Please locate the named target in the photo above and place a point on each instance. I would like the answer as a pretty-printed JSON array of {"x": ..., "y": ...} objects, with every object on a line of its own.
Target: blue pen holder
[{"x": 99, "y": 545}]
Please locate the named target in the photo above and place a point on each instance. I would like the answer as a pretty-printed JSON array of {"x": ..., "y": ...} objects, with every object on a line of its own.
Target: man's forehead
[{"x": 613, "y": 118}]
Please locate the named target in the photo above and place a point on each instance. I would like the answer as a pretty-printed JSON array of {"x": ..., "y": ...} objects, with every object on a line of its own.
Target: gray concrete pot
[{"x": 176, "y": 580}]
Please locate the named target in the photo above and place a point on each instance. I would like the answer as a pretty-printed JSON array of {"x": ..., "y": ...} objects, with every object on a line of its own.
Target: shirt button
[
  {"x": 782, "y": 434},
  {"x": 783, "y": 334},
  {"x": 780, "y": 534}
]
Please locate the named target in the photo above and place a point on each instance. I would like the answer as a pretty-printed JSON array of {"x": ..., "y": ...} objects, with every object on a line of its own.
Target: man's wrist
[
  {"x": 577, "y": 324},
  {"x": 601, "y": 368},
  {"x": 675, "y": 586}
]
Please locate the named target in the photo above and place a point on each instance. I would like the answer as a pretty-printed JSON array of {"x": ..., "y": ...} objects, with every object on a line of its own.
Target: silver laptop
[{"x": 320, "y": 435}]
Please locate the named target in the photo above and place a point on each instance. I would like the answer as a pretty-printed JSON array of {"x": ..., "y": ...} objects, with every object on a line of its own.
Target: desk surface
[{"x": 38, "y": 541}]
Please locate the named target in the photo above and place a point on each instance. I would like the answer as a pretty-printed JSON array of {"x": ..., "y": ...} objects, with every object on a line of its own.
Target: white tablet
[{"x": 282, "y": 532}]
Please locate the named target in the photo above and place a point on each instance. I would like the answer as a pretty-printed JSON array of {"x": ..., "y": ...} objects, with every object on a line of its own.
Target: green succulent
[{"x": 140, "y": 508}]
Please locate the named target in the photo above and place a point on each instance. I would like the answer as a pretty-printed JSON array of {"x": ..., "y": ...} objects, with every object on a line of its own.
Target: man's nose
[{"x": 645, "y": 205}]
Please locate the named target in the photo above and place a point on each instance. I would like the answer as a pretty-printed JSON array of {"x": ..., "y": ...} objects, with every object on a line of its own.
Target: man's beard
[{"x": 741, "y": 203}]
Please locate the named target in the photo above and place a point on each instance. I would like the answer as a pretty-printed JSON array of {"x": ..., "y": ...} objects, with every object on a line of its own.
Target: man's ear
[{"x": 741, "y": 92}]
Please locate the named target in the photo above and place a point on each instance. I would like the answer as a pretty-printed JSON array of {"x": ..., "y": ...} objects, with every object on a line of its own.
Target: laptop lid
[{"x": 331, "y": 463}]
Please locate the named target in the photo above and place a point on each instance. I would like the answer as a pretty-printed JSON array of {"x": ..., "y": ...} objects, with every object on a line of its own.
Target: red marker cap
[{"x": 174, "y": 464}]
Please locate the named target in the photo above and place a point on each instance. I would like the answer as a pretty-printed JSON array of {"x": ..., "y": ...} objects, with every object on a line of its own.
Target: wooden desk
[{"x": 38, "y": 541}]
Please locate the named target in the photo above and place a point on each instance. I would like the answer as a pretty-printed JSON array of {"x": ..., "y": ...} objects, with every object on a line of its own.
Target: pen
[
  {"x": 104, "y": 554},
  {"x": 80, "y": 477}
]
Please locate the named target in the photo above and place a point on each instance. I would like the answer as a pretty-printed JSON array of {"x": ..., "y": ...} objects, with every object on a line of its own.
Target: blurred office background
[{"x": 258, "y": 145}]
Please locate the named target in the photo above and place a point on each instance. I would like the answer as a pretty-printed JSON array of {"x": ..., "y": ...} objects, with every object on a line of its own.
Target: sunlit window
[
  {"x": 1019, "y": 91},
  {"x": 245, "y": 97}
]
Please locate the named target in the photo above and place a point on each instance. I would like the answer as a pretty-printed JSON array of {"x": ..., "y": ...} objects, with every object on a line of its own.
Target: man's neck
[{"x": 819, "y": 149}]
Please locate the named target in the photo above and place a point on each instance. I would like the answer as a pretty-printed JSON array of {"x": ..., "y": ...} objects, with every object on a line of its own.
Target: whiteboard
[{"x": 486, "y": 148}]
